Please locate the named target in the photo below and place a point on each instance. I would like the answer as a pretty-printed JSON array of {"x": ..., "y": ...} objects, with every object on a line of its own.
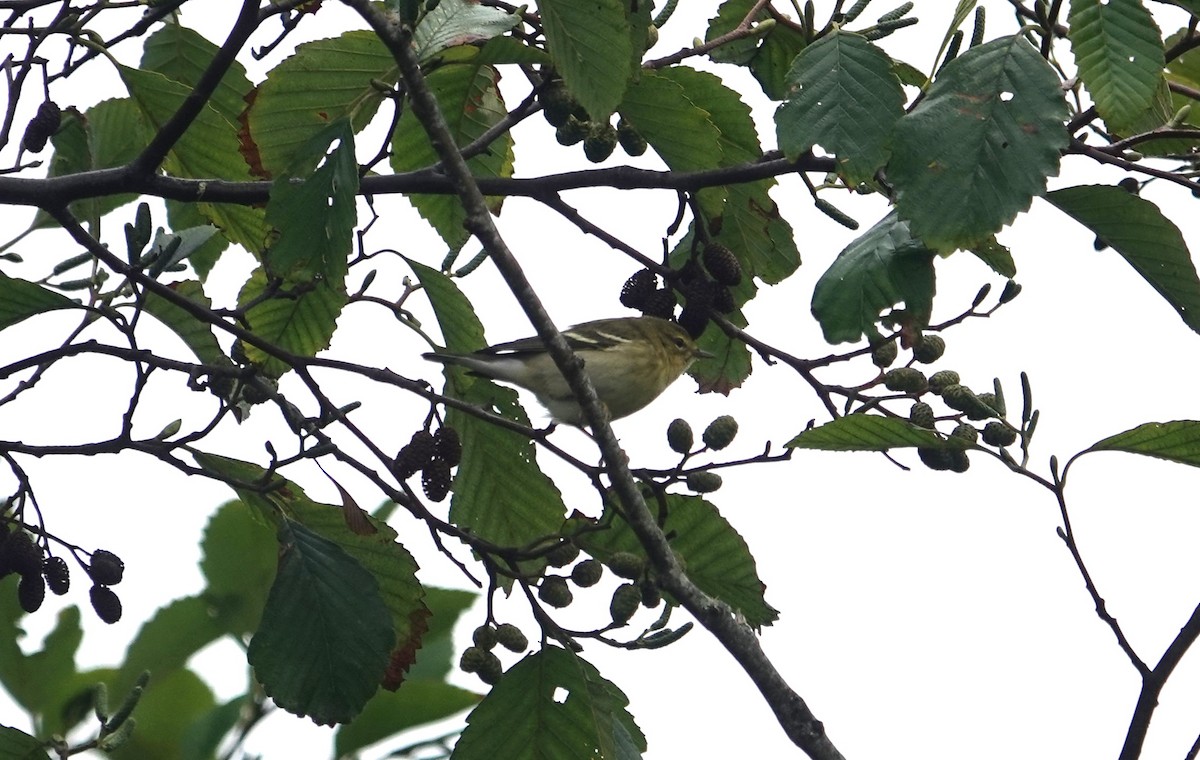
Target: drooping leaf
[
  {"x": 1119, "y": 52},
  {"x": 196, "y": 334},
  {"x": 997, "y": 256},
  {"x": 459, "y": 22},
  {"x": 1177, "y": 441},
  {"x": 590, "y": 44},
  {"x": 867, "y": 432},
  {"x": 979, "y": 147},
  {"x": 21, "y": 299},
  {"x": 323, "y": 644},
  {"x": 1137, "y": 230},
  {"x": 436, "y": 659},
  {"x": 882, "y": 268},
  {"x": 844, "y": 97},
  {"x": 322, "y": 81},
  {"x": 469, "y": 98},
  {"x": 312, "y": 207},
  {"x": 526, "y": 716},
  {"x": 716, "y": 556},
  {"x": 301, "y": 322}
]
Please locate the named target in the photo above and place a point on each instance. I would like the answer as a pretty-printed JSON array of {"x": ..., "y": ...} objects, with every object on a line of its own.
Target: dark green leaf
[
  {"x": 419, "y": 702},
  {"x": 459, "y": 22},
  {"x": 197, "y": 335},
  {"x": 239, "y": 557},
  {"x": 525, "y": 715},
  {"x": 996, "y": 256},
  {"x": 18, "y": 745},
  {"x": 167, "y": 640},
  {"x": 203, "y": 737},
  {"x": 1137, "y": 229},
  {"x": 589, "y": 42},
  {"x": 21, "y": 299},
  {"x": 844, "y": 97},
  {"x": 980, "y": 146},
  {"x": 1177, "y": 441},
  {"x": 884, "y": 267},
  {"x": 323, "y": 644},
  {"x": 183, "y": 55},
  {"x": 866, "y": 432}
]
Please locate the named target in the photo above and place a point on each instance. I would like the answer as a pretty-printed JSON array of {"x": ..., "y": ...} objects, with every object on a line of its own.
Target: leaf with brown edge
[{"x": 405, "y": 653}]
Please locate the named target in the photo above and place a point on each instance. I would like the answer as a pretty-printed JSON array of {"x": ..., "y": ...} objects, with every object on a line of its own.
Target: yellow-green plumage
[{"x": 630, "y": 361}]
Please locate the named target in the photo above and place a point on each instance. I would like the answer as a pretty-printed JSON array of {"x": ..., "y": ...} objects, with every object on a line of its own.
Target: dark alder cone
[
  {"x": 472, "y": 659},
  {"x": 722, "y": 300},
  {"x": 631, "y": 140},
  {"x": 638, "y": 289},
  {"x": 415, "y": 455},
  {"x": 625, "y": 601},
  {"x": 484, "y": 637},
  {"x": 703, "y": 482},
  {"x": 447, "y": 446},
  {"x": 106, "y": 604},
  {"x": 571, "y": 131},
  {"x": 511, "y": 638},
  {"x": 587, "y": 573},
  {"x": 31, "y": 592},
  {"x": 660, "y": 303},
  {"x": 929, "y": 349},
  {"x": 720, "y": 432},
  {"x": 562, "y": 555},
  {"x": 999, "y": 434},
  {"x": 23, "y": 554},
  {"x": 42, "y": 126},
  {"x": 106, "y": 569},
  {"x": 491, "y": 670},
  {"x": 722, "y": 264},
  {"x": 966, "y": 432},
  {"x": 600, "y": 142},
  {"x": 959, "y": 462},
  {"x": 694, "y": 320},
  {"x": 922, "y": 415},
  {"x": 884, "y": 355},
  {"x": 58, "y": 575},
  {"x": 679, "y": 436},
  {"x": 435, "y": 480},
  {"x": 626, "y": 565},
  {"x": 935, "y": 459},
  {"x": 556, "y": 103},
  {"x": 651, "y": 595},
  {"x": 555, "y": 592}
]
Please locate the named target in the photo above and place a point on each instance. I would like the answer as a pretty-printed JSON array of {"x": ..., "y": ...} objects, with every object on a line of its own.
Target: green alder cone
[
  {"x": 720, "y": 432},
  {"x": 679, "y": 436},
  {"x": 625, "y": 601},
  {"x": 587, "y": 573},
  {"x": 703, "y": 482}
]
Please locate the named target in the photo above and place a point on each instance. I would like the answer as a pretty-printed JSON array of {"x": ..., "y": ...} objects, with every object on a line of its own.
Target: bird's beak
[{"x": 702, "y": 354}]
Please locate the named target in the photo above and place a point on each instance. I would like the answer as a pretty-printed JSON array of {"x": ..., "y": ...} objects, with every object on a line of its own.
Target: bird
[{"x": 630, "y": 360}]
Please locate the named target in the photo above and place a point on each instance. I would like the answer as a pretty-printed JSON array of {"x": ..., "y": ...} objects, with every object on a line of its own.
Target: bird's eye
[{"x": 680, "y": 342}]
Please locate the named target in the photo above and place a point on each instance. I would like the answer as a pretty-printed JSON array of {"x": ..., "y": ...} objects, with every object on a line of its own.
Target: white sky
[{"x": 923, "y": 614}]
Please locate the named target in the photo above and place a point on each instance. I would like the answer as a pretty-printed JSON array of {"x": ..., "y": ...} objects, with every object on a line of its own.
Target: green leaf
[
  {"x": 183, "y": 55},
  {"x": 500, "y": 493},
  {"x": 207, "y": 150},
  {"x": 459, "y": 22},
  {"x": 312, "y": 206},
  {"x": 202, "y": 738},
  {"x": 300, "y": 322},
  {"x": 470, "y": 100},
  {"x": 866, "y": 432},
  {"x": 323, "y": 643},
  {"x": 884, "y": 267},
  {"x": 182, "y": 216},
  {"x": 680, "y": 132},
  {"x": 419, "y": 702},
  {"x": 196, "y": 335},
  {"x": 961, "y": 11},
  {"x": 980, "y": 145},
  {"x": 18, "y": 745},
  {"x": 239, "y": 556},
  {"x": 590, "y": 44},
  {"x": 171, "y": 703},
  {"x": 167, "y": 640},
  {"x": 1119, "y": 52},
  {"x": 1177, "y": 441},
  {"x": 997, "y": 256},
  {"x": 52, "y": 668},
  {"x": 844, "y": 97},
  {"x": 715, "y": 555},
  {"x": 1137, "y": 229},
  {"x": 436, "y": 659},
  {"x": 323, "y": 81},
  {"x": 21, "y": 299},
  {"x": 525, "y": 715}
]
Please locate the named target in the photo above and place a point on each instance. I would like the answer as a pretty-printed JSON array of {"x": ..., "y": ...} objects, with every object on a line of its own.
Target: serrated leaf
[
  {"x": 196, "y": 335},
  {"x": 1119, "y": 52},
  {"x": 459, "y": 22},
  {"x": 18, "y": 745},
  {"x": 589, "y": 42},
  {"x": 183, "y": 55},
  {"x": 323, "y": 643},
  {"x": 1177, "y": 441},
  {"x": 866, "y": 432},
  {"x": 1137, "y": 230},
  {"x": 469, "y": 98},
  {"x": 302, "y": 322},
  {"x": 980, "y": 146},
  {"x": 436, "y": 659},
  {"x": 312, "y": 207},
  {"x": 996, "y": 256},
  {"x": 500, "y": 493},
  {"x": 525, "y": 715},
  {"x": 715, "y": 555},
  {"x": 207, "y": 150},
  {"x": 844, "y": 97},
  {"x": 882, "y": 268},
  {"x": 21, "y": 299},
  {"x": 323, "y": 81},
  {"x": 238, "y": 562},
  {"x": 680, "y": 132},
  {"x": 768, "y": 55}
]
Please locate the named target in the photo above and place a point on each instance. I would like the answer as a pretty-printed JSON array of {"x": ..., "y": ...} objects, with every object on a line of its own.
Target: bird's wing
[{"x": 595, "y": 336}]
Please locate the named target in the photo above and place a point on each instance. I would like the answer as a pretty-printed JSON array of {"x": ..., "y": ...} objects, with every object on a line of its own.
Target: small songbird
[{"x": 630, "y": 360}]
